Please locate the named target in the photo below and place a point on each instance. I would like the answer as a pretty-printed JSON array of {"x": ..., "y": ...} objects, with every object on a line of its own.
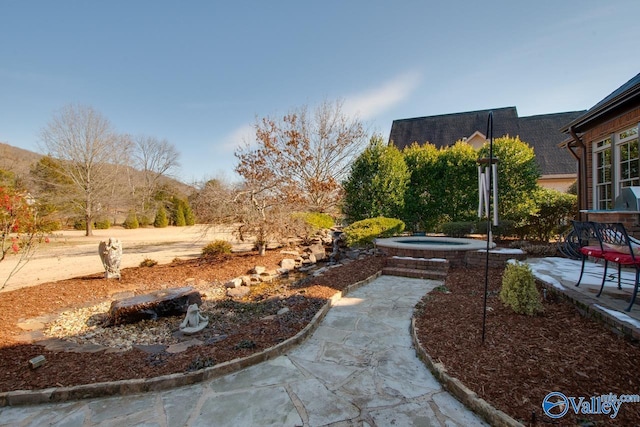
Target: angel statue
[
  {"x": 193, "y": 321},
  {"x": 111, "y": 254}
]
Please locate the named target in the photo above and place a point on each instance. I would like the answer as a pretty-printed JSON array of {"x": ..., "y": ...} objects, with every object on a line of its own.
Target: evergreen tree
[
  {"x": 161, "y": 220},
  {"x": 377, "y": 183},
  {"x": 518, "y": 176},
  {"x": 179, "y": 220}
]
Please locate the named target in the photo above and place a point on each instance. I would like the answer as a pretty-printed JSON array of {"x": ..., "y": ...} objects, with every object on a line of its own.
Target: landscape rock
[
  {"x": 258, "y": 269},
  {"x": 288, "y": 263},
  {"x": 283, "y": 310},
  {"x": 292, "y": 253},
  {"x": 165, "y": 302},
  {"x": 182, "y": 346},
  {"x": 238, "y": 292},
  {"x": 318, "y": 252},
  {"x": 234, "y": 283}
]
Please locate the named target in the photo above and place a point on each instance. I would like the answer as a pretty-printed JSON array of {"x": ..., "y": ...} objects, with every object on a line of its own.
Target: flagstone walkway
[{"x": 359, "y": 368}]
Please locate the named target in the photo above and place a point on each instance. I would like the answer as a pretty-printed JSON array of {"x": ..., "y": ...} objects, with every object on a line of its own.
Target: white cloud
[
  {"x": 373, "y": 102},
  {"x": 237, "y": 138}
]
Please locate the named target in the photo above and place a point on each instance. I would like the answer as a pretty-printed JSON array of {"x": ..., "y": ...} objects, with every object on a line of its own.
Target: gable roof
[
  {"x": 540, "y": 132},
  {"x": 628, "y": 92}
]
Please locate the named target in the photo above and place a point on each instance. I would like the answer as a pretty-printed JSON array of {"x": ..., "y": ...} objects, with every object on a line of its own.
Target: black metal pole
[{"x": 486, "y": 264}]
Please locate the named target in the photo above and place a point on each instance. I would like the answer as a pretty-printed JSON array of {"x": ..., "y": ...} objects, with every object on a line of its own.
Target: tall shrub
[
  {"x": 161, "y": 220},
  {"x": 459, "y": 183},
  {"x": 131, "y": 221},
  {"x": 376, "y": 183},
  {"x": 518, "y": 175},
  {"x": 421, "y": 207},
  {"x": 553, "y": 213}
]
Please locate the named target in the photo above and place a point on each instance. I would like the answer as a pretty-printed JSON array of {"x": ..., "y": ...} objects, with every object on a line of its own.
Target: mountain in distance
[{"x": 19, "y": 161}]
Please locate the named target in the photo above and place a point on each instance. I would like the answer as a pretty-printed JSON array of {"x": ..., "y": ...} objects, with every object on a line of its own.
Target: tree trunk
[{"x": 88, "y": 228}]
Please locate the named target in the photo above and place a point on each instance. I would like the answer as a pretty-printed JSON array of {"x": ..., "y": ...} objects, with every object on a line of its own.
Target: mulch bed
[
  {"x": 521, "y": 361},
  {"x": 524, "y": 358},
  {"x": 245, "y": 332}
]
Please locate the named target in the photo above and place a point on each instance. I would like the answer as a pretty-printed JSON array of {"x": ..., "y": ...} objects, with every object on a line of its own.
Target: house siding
[{"x": 600, "y": 132}]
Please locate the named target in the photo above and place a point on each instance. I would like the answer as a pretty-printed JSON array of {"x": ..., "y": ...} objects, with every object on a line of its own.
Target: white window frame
[
  {"x": 600, "y": 147},
  {"x": 614, "y": 143},
  {"x": 623, "y": 138}
]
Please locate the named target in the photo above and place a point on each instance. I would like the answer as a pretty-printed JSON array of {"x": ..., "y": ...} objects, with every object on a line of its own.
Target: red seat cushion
[
  {"x": 621, "y": 258},
  {"x": 594, "y": 251}
]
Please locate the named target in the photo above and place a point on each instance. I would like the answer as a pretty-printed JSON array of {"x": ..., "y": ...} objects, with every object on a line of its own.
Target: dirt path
[{"x": 70, "y": 253}]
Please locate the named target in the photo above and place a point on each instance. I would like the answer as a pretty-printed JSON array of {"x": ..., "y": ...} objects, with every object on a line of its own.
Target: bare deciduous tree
[
  {"x": 304, "y": 156},
  {"x": 254, "y": 211},
  {"x": 89, "y": 153},
  {"x": 155, "y": 159}
]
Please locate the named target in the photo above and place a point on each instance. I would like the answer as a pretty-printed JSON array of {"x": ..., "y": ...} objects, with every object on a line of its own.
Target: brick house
[
  {"x": 604, "y": 141},
  {"x": 557, "y": 167}
]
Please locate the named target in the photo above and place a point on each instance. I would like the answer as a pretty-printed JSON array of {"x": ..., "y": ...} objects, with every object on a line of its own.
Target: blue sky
[{"x": 199, "y": 73}]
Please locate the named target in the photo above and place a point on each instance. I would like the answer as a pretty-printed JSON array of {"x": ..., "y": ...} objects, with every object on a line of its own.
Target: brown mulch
[
  {"x": 524, "y": 358},
  {"x": 249, "y": 330}
]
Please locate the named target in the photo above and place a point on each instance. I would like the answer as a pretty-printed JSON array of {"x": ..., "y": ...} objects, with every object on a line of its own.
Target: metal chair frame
[
  {"x": 590, "y": 245},
  {"x": 618, "y": 248}
]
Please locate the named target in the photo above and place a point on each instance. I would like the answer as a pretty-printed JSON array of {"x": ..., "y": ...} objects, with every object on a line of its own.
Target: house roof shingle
[{"x": 540, "y": 132}]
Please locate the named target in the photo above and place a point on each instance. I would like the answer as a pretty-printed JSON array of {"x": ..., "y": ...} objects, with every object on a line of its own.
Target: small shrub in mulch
[{"x": 524, "y": 358}]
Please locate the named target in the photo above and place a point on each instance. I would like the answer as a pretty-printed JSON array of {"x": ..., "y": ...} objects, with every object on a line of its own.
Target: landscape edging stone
[
  {"x": 165, "y": 382},
  {"x": 454, "y": 386}
]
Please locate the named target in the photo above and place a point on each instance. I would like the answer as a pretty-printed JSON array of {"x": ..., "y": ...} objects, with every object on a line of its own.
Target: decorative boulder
[
  {"x": 288, "y": 263},
  {"x": 166, "y": 302},
  {"x": 258, "y": 269},
  {"x": 318, "y": 252},
  {"x": 234, "y": 283}
]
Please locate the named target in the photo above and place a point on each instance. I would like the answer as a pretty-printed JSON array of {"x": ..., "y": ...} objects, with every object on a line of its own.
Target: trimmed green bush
[
  {"x": 519, "y": 289},
  {"x": 144, "y": 221},
  {"x": 457, "y": 229},
  {"x": 161, "y": 220},
  {"x": 131, "y": 222},
  {"x": 102, "y": 224},
  {"x": 148, "y": 262},
  {"x": 179, "y": 220},
  {"x": 316, "y": 220},
  {"x": 362, "y": 233},
  {"x": 505, "y": 228},
  {"x": 217, "y": 247}
]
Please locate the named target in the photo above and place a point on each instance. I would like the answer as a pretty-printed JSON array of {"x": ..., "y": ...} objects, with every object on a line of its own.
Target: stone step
[
  {"x": 418, "y": 263},
  {"x": 415, "y": 273}
]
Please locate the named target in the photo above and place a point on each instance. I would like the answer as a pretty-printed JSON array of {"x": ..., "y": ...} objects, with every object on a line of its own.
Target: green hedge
[
  {"x": 457, "y": 229},
  {"x": 362, "y": 233}
]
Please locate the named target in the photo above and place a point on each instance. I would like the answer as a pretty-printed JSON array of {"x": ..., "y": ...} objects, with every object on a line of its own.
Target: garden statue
[
  {"x": 111, "y": 255},
  {"x": 193, "y": 321}
]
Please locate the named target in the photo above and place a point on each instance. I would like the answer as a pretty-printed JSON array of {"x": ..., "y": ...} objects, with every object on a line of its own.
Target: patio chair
[
  {"x": 590, "y": 245},
  {"x": 619, "y": 248}
]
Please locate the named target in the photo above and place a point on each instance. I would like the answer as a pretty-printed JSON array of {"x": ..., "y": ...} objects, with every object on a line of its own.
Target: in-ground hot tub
[{"x": 452, "y": 249}]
